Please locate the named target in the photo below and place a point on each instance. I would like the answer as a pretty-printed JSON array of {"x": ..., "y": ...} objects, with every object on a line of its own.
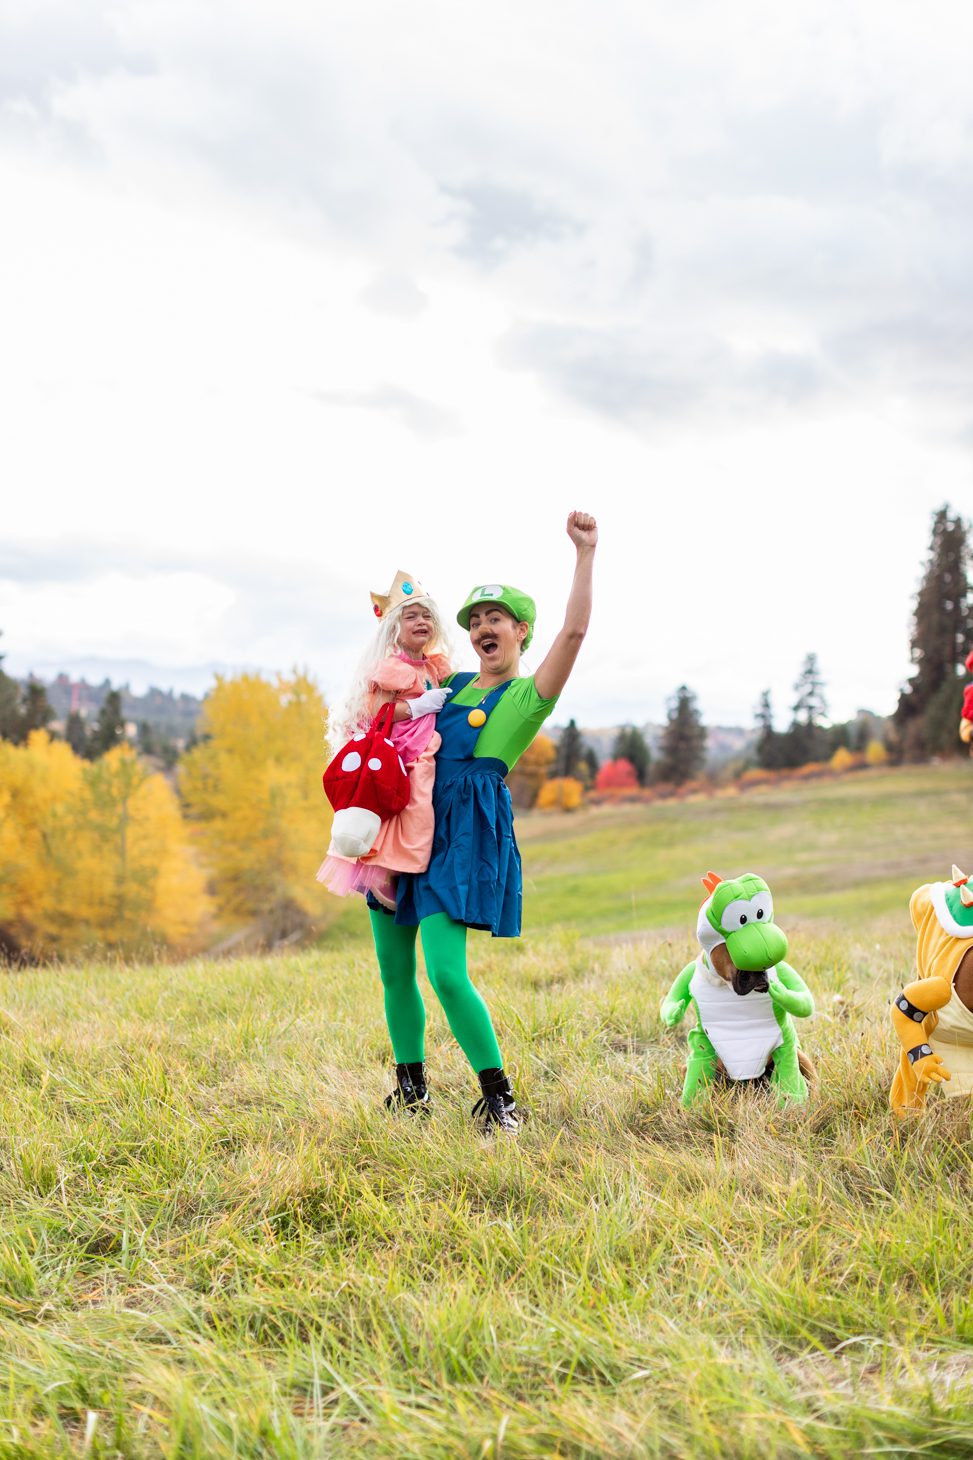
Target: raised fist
[{"x": 582, "y": 529}]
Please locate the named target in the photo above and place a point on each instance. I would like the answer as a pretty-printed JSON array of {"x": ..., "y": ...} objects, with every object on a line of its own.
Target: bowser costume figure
[{"x": 933, "y": 1016}]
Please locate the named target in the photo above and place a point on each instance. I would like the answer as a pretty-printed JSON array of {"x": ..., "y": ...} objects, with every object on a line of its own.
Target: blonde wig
[{"x": 364, "y": 700}]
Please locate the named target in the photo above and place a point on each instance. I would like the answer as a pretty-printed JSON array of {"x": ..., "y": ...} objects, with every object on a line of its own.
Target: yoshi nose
[{"x": 757, "y": 946}]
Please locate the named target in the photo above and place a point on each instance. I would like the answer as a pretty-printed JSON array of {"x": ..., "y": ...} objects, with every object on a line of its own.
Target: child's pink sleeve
[
  {"x": 393, "y": 676},
  {"x": 440, "y": 667}
]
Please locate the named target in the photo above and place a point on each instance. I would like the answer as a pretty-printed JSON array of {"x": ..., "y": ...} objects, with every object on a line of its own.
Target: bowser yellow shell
[{"x": 933, "y": 1017}]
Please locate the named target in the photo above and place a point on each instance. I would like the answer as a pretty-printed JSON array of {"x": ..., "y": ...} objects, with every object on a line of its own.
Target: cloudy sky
[{"x": 295, "y": 295}]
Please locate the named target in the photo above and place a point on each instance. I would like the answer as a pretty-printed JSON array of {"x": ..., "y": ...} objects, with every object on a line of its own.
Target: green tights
[{"x": 444, "y": 946}]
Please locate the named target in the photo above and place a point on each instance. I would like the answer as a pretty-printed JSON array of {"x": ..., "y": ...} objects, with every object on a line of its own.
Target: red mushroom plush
[
  {"x": 966, "y": 713},
  {"x": 366, "y": 784}
]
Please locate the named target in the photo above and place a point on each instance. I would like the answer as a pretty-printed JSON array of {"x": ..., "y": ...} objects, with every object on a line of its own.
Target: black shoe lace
[{"x": 495, "y": 1111}]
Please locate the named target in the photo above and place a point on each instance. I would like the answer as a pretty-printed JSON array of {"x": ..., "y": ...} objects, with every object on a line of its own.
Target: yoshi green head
[{"x": 739, "y": 912}]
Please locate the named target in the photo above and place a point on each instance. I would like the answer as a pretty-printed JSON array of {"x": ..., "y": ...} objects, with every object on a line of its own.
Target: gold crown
[{"x": 404, "y": 589}]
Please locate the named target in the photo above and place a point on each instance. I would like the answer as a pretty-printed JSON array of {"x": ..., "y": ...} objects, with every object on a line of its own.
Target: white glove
[{"x": 429, "y": 703}]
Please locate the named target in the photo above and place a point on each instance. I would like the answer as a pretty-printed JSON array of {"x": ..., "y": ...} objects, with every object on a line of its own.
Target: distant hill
[{"x": 172, "y": 715}]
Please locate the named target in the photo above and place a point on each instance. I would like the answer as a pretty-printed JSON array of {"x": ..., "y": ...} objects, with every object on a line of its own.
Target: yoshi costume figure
[{"x": 743, "y": 993}]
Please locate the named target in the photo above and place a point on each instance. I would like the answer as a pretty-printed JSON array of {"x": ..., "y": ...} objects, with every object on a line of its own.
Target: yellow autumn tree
[
  {"x": 563, "y": 793},
  {"x": 253, "y": 784},
  {"x": 41, "y": 787},
  {"x": 92, "y": 854},
  {"x": 875, "y": 753},
  {"x": 140, "y": 877}
]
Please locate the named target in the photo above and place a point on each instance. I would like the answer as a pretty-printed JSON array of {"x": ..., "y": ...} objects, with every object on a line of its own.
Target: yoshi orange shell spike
[
  {"x": 711, "y": 882},
  {"x": 966, "y": 896}
]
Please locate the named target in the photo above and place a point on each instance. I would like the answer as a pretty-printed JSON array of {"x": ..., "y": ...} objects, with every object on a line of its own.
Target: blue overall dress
[{"x": 474, "y": 868}]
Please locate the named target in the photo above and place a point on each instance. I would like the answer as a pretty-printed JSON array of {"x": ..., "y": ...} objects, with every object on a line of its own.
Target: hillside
[
  {"x": 216, "y": 1243},
  {"x": 171, "y": 714},
  {"x": 843, "y": 853}
]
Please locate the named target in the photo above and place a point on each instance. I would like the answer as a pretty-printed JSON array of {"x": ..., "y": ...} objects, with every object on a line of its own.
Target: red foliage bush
[{"x": 617, "y": 775}]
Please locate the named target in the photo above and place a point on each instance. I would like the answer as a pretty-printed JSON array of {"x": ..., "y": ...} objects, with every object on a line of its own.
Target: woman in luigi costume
[{"x": 473, "y": 879}]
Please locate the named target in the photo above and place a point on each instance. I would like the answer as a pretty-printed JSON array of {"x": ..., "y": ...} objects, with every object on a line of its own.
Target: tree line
[
  {"x": 924, "y": 722},
  {"x": 98, "y": 848},
  {"x": 105, "y": 852},
  {"x": 26, "y": 708}
]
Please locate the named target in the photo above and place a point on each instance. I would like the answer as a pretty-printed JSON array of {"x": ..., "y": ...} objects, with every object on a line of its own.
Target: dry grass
[{"x": 214, "y": 1242}]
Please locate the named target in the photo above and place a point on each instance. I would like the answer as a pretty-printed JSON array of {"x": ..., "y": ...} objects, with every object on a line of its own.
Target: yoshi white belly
[{"x": 743, "y": 1029}]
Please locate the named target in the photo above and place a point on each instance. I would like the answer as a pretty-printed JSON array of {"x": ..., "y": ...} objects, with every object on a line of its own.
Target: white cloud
[
  {"x": 294, "y": 296},
  {"x": 152, "y": 615}
]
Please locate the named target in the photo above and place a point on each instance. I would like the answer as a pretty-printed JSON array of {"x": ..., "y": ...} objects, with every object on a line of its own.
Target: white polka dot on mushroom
[
  {"x": 351, "y": 761},
  {"x": 374, "y": 764}
]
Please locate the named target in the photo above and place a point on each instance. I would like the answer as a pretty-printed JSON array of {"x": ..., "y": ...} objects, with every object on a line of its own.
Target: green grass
[
  {"x": 214, "y": 1242},
  {"x": 842, "y": 853}
]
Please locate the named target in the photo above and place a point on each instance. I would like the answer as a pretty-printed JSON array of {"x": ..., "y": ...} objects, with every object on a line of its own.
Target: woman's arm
[{"x": 552, "y": 676}]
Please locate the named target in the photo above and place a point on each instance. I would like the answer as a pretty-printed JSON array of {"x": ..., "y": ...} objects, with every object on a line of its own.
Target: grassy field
[
  {"x": 214, "y": 1242},
  {"x": 840, "y": 854}
]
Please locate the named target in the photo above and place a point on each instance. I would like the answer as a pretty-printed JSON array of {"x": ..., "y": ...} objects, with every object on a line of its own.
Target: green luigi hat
[{"x": 521, "y": 605}]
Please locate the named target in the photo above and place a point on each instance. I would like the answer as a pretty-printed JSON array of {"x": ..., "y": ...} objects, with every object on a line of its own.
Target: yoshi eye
[
  {"x": 757, "y": 909},
  {"x": 736, "y": 915},
  {"x": 763, "y": 907}
]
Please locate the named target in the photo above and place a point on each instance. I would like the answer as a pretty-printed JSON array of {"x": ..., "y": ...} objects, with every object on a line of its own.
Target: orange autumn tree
[
  {"x": 253, "y": 785},
  {"x": 531, "y": 771},
  {"x": 92, "y": 855}
]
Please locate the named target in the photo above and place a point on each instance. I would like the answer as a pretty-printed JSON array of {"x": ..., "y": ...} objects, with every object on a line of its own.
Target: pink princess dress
[{"x": 404, "y": 842}]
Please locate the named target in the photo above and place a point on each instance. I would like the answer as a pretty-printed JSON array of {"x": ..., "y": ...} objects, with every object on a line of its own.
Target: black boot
[
  {"x": 497, "y": 1106},
  {"x": 410, "y": 1091}
]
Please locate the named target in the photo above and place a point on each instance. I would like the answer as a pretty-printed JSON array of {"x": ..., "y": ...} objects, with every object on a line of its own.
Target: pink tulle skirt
[{"x": 342, "y": 877}]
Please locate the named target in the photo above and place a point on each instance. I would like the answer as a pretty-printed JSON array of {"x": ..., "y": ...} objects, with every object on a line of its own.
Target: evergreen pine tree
[
  {"x": 109, "y": 728},
  {"x": 147, "y": 741},
  {"x": 810, "y": 707},
  {"x": 768, "y": 750},
  {"x": 630, "y": 745},
  {"x": 9, "y": 705},
  {"x": 76, "y": 733},
  {"x": 942, "y": 627},
  {"x": 570, "y": 751},
  {"x": 683, "y": 747},
  {"x": 35, "y": 709},
  {"x": 941, "y": 718},
  {"x": 807, "y": 740}
]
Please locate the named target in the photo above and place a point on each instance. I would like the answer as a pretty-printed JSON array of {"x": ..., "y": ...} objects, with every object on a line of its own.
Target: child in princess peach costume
[{"x": 405, "y": 665}]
